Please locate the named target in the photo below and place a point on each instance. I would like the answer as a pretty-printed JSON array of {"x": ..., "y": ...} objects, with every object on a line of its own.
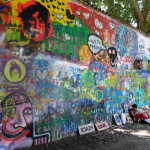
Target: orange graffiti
[{"x": 84, "y": 53}]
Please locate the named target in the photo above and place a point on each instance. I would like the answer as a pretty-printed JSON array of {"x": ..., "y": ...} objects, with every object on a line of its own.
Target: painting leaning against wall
[{"x": 64, "y": 65}]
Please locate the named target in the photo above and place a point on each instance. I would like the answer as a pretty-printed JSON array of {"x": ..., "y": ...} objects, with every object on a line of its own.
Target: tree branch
[
  {"x": 146, "y": 8},
  {"x": 137, "y": 9},
  {"x": 109, "y": 4}
]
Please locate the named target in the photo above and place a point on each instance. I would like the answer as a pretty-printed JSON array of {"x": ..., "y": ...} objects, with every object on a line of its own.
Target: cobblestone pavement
[{"x": 129, "y": 137}]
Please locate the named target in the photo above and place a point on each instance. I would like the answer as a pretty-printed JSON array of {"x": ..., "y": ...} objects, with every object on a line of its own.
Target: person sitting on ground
[{"x": 135, "y": 114}]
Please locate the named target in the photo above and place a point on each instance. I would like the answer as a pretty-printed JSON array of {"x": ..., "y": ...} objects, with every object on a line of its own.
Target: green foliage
[
  {"x": 123, "y": 10},
  {"x": 148, "y": 24}
]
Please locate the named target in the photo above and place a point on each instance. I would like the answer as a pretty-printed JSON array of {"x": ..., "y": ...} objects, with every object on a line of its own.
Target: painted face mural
[
  {"x": 17, "y": 120},
  {"x": 112, "y": 53},
  {"x": 35, "y": 19},
  {"x": 77, "y": 65}
]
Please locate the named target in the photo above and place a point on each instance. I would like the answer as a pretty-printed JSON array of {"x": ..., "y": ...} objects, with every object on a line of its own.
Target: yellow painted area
[
  {"x": 84, "y": 53},
  {"x": 102, "y": 57},
  {"x": 57, "y": 12},
  {"x": 106, "y": 38},
  {"x": 148, "y": 92},
  {"x": 51, "y": 73},
  {"x": 10, "y": 110},
  {"x": 14, "y": 74},
  {"x": 12, "y": 35},
  {"x": 91, "y": 93},
  {"x": 113, "y": 80}
]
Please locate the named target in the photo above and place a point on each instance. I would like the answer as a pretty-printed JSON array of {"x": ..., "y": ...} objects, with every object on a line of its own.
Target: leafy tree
[{"x": 134, "y": 12}]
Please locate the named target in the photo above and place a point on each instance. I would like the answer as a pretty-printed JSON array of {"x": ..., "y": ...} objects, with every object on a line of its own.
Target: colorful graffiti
[
  {"x": 64, "y": 65},
  {"x": 17, "y": 119}
]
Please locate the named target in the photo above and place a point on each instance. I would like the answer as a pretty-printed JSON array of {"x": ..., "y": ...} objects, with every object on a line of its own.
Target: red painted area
[
  {"x": 38, "y": 29},
  {"x": 106, "y": 28}
]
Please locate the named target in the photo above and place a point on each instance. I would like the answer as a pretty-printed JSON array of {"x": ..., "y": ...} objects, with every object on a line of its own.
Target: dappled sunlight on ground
[
  {"x": 141, "y": 133},
  {"x": 138, "y": 133},
  {"x": 126, "y": 137}
]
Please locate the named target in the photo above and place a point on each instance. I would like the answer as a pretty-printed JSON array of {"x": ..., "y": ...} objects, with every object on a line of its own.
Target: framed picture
[
  {"x": 102, "y": 126},
  {"x": 117, "y": 119}
]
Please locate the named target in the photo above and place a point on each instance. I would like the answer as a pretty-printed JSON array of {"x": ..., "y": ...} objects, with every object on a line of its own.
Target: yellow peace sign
[{"x": 14, "y": 70}]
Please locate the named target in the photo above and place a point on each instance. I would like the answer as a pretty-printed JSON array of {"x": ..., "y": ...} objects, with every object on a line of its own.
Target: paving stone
[{"x": 109, "y": 139}]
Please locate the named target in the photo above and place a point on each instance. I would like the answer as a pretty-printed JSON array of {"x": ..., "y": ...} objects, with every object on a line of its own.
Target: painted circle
[
  {"x": 87, "y": 78},
  {"x": 14, "y": 71}
]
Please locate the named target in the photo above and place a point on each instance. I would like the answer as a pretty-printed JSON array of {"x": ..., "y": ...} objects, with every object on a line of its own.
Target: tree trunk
[
  {"x": 141, "y": 24},
  {"x": 141, "y": 15}
]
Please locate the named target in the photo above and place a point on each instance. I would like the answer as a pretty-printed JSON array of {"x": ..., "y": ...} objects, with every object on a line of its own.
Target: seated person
[{"x": 135, "y": 114}]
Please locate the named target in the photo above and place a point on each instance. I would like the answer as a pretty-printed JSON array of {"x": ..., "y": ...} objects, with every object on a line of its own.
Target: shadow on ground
[{"x": 129, "y": 137}]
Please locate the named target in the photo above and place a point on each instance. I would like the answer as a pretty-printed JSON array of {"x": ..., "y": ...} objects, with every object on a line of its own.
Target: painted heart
[
  {"x": 78, "y": 12},
  {"x": 78, "y": 24},
  {"x": 98, "y": 24},
  {"x": 59, "y": 16},
  {"x": 42, "y": 73},
  {"x": 86, "y": 15},
  {"x": 97, "y": 32},
  {"x": 111, "y": 25}
]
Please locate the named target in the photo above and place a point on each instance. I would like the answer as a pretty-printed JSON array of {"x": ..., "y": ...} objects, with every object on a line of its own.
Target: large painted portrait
[
  {"x": 17, "y": 121},
  {"x": 35, "y": 20}
]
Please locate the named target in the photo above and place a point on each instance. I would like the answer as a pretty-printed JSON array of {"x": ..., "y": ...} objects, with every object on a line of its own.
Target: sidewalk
[{"x": 129, "y": 137}]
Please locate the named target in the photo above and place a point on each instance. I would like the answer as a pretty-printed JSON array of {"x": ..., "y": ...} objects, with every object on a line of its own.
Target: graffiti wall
[{"x": 63, "y": 65}]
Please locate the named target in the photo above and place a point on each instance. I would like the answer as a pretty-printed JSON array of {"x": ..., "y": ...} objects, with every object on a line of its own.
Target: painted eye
[
  {"x": 28, "y": 111},
  {"x": 32, "y": 19},
  {"x": 109, "y": 51},
  {"x": 41, "y": 21}
]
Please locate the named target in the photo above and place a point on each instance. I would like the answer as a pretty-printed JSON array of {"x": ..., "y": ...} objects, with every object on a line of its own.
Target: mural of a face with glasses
[{"x": 35, "y": 20}]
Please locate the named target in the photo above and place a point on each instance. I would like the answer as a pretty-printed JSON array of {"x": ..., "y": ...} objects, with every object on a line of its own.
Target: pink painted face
[
  {"x": 18, "y": 118},
  {"x": 37, "y": 29}
]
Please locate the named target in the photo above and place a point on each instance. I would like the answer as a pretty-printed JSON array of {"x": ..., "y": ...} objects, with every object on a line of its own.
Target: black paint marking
[
  {"x": 69, "y": 15},
  {"x": 54, "y": 6},
  {"x": 59, "y": 3}
]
